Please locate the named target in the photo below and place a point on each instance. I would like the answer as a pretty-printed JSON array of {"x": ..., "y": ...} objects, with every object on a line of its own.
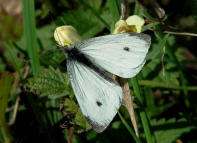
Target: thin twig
[
  {"x": 162, "y": 61},
  {"x": 123, "y": 9},
  {"x": 180, "y": 33},
  {"x": 71, "y": 135},
  {"x": 174, "y": 33},
  {"x": 15, "y": 111}
]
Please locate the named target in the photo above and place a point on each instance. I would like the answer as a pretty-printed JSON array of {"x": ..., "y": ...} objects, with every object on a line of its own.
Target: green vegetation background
[{"x": 37, "y": 103}]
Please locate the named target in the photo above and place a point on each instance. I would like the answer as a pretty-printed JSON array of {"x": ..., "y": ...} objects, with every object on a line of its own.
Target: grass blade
[
  {"x": 30, "y": 34},
  {"x": 143, "y": 116},
  {"x": 6, "y": 81},
  {"x": 14, "y": 59},
  {"x": 129, "y": 129}
]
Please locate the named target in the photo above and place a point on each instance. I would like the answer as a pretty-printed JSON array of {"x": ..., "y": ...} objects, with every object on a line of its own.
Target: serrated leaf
[
  {"x": 71, "y": 106},
  {"x": 81, "y": 121},
  {"x": 49, "y": 82},
  {"x": 168, "y": 131}
]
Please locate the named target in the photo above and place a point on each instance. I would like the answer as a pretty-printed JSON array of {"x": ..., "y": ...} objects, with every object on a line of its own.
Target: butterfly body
[
  {"x": 98, "y": 95},
  {"x": 76, "y": 55}
]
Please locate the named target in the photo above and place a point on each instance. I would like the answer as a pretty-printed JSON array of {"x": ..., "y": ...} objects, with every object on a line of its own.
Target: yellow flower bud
[
  {"x": 121, "y": 27},
  {"x": 137, "y": 21},
  {"x": 66, "y": 36}
]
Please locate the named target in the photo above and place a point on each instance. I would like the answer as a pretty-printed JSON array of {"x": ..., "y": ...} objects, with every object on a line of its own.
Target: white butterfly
[{"x": 98, "y": 95}]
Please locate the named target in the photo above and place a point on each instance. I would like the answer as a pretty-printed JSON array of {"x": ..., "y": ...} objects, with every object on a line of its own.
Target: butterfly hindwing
[
  {"x": 98, "y": 98},
  {"x": 121, "y": 54}
]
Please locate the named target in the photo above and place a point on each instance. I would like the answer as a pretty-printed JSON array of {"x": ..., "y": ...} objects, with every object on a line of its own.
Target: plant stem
[
  {"x": 6, "y": 82},
  {"x": 143, "y": 116}
]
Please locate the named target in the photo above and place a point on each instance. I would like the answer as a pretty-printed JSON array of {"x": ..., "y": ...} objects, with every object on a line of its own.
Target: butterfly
[{"x": 98, "y": 95}]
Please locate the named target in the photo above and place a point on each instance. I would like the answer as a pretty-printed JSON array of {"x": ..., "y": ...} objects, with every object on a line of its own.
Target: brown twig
[
  {"x": 174, "y": 33},
  {"x": 123, "y": 9},
  {"x": 128, "y": 102},
  {"x": 159, "y": 11},
  {"x": 71, "y": 135},
  {"x": 180, "y": 33}
]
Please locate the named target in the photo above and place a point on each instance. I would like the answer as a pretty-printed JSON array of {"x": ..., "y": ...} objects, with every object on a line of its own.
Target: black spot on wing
[
  {"x": 99, "y": 103},
  {"x": 126, "y": 49}
]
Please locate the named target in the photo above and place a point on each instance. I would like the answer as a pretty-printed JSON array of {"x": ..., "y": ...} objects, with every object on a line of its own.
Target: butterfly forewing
[
  {"x": 121, "y": 54},
  {"x": 98, "y": 98}
]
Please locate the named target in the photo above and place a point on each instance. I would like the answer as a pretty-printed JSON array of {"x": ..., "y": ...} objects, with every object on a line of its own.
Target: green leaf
[
  {"x": 150, "y": 25},
  {"x": 86, "y": 23},
  {"x": 131, "y": 131},
  {"x": 140, "y": 10},
  {"x": 71, "y": 106},
  {"x": 45, "y": 34},
  {"x": 156, "y": 111},
  {"x": 49, "y": 82},
  {"x": 14, "y": 59},
  {"x": 157, "y": 48},
  {"x": 95, "y": 4},
  {"x": 2, "y": 66},
  {"x": 6, "y": 81},
  {"x": 154, "y": 69},
  {"x": 81, "y": 121},
  {"x": 52, "y": 57},
  {"x": 168, "y": 131}
]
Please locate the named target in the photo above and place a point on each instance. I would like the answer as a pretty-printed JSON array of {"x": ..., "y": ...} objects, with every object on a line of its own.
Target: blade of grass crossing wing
[{"x": 30, "y": 34}]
